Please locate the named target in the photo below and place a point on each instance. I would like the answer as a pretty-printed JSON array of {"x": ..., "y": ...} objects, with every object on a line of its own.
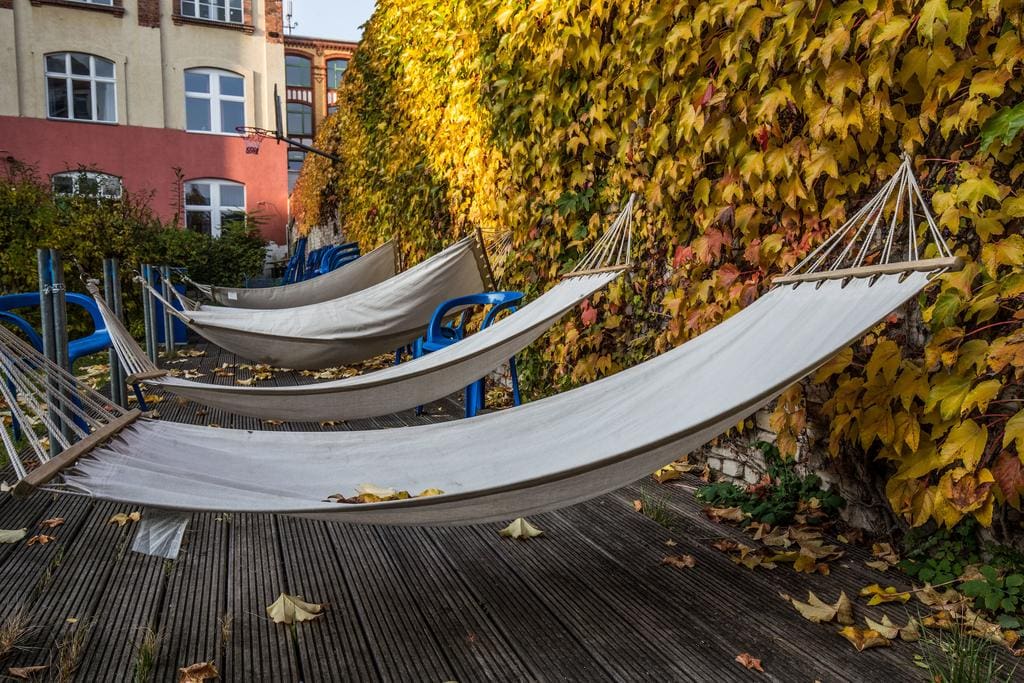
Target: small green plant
[
  {"x": 780, "y": 498},
  {"x": 956, "y": 656},
  {"x": 941, "y": 555},
  {"x": 656, "y": 508},
  {"x": 1001, "y": 595},
  {"x": 145, "y": 656},
  {"x": 69, "y": 653}
]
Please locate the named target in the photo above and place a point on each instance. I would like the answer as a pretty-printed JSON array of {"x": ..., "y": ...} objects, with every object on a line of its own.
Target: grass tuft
[
  {"x": 69, "y": 653},
  {"x": 656, "y": 508},
  {"x": 956, "y": 656},
  {"x": 14, "y": 631},
  {"x": 145, "y": 656}
]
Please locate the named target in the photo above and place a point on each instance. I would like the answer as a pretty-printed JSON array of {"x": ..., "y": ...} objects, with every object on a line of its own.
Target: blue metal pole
[{"x": 49, "y": 343}]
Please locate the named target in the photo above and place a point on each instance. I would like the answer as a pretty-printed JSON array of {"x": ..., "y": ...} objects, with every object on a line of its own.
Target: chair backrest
[
  {"x": 339, "y": 255},
  {"x": 498, "y": 301},
  {"x": 95, "y": 340},
  {"x": 294, "y": 271}
]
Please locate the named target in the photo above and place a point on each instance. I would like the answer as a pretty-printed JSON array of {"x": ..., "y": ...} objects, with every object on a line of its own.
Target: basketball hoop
[{"x": 253, "y": 137}]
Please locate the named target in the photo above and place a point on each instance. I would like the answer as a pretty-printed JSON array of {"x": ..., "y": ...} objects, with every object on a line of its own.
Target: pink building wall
[{"x": 145, "y": 159}]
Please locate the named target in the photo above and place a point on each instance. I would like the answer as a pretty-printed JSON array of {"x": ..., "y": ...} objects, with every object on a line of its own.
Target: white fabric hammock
[
  {"x": 520, "y": 461},
  {"x": 352, "y": 328},
  {"x": 385, "y": 391},
  {"x": 369, "y": 269}
]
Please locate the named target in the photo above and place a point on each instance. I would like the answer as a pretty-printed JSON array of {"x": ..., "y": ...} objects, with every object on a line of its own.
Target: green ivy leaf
[{"x": 1005, "y": 124}]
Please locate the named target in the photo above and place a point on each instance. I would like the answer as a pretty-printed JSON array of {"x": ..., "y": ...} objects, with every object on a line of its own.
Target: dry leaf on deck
[
  {"x": 679, "y": 561},
  {"x": 725, "y": 514},
  {"x": 51, "y": 523},
  {"x": 41, "y": 539},
  {"x": 521, "y": 529},
  {"x": 884, "y": 628},
  {"x": 12, "y": 535},
  {"x": 289, "y": 609},
  {"x": 26, "y": 673},
  {"x": 881, "y": 595},
  {"x": 880, "y": 565},
  {"x": 815, "y": 609},
  {"x": 725, "y": 545},
  {"x": 670, "y": 543},
  {"x": 123, "y": 518},
  {"x": 426, "y": 493},
  {"x": 198, "y": 672},
  {"x": 667, "y": 473},
  {"x": 863, "y": 639},
  {"x": 749, "y": 662},
  {"x": 638, "y": 505}
]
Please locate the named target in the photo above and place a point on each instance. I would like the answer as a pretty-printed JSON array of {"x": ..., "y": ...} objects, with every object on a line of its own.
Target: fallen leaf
[
  {"x": 749, "y": 662},
  {"x": 123, "y": 518},
  {"x": 679, "y": 561},
  {"x": 26, "y": 673},
  {"x": 670, "y": 543},
  {"x": 911, "y": 632},
  {"x": 12, "y": 535},
  {"x": 884, "y": 628},
  {"x": 881, "y": 595},
  {"x": 51, "y": 523},
  {"x": 41, "y": 539},
  {"x": 289, "y": 609},
  {"x": 198, "y": 672},
  {"x": 726, "y": 545},
  {"x": 844, "y": 609},
  {"x": 885, "y": 553},
  {"x": 638, "y": 505},
  {"x": 863, "y": 639},
  {"x": 5, "y": 487},
  {"x": 725, "y": 514},
  {"x": 521, "y": 529},
  {"x": 933, "y": 598},
  {"x": 880, "y": 565},
  {"x": 667, "y": 473},
  {"x": 430, "y": 492},
  {"x": 273, "y": 423},
  {"x": 815, "y": 609}
]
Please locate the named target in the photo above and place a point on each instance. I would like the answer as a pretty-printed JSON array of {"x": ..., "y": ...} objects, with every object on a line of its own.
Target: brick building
[{"x": 106, "y": 96}]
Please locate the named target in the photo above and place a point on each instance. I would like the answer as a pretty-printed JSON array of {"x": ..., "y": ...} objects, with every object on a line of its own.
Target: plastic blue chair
[
  {"x": 97, "y": 340},
  {"x": 294, "y": 271},
  {"x": 443, "y": 332}
]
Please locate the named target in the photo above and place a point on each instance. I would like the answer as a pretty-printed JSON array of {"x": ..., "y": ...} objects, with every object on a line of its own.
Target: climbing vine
[{"x": 749, "y": 130}]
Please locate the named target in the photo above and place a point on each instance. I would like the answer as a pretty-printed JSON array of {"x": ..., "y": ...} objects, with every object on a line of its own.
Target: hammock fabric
[
  {"x": 402, "y": 386},
  {"x": 370, "y": 269},
  {"x": 525, "y": 460},
  {"x": 363, "y": 324}
]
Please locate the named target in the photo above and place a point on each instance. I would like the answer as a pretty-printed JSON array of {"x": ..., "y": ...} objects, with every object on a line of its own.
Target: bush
[{"x": 88, "y": 229}]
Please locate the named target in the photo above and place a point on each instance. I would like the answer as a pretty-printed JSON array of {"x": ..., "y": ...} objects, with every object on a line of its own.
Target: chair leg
[
  {"x": 516, "y": 400},
  {"x": 137, "y": 388},
  {"x": 398, "y": 356},
  {"x": 469, "y": 400}
]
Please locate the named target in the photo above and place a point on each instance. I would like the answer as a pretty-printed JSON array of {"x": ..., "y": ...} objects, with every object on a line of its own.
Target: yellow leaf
[
  {"x": 1014, "y": 431},
  {"x": 521, "y": 529},
  {"x": 667, "y": 473},
  {"x": 835, "y": 366},
  {"x": 881, "y": 595},
  {"x": 885, "y": 359},
  {"x": 980, "y": 396},
  {"x": 123, "y": 518},
  {"x": 863, "y": 639},
  {"x": 425, "y": 493},
  {"x": 965, "y": 442},
  {"x": 289, "y": 609},
  {"x": 885, "y": 628}
]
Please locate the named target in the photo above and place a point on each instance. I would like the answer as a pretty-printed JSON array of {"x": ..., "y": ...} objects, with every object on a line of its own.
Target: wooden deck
[{"x": 587, "y": 601}]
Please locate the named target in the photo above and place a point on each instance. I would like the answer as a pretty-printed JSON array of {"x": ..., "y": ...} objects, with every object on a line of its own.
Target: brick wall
[
  {"x": 149, "y": 13},
  {"x": 275, "y": 21}
]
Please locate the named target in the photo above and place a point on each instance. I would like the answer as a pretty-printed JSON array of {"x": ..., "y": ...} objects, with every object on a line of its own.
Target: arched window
[
  {"x": 210, "y": 203},
  {"x": 80, "y": 87},
  {"x": 335, "y": 70},
  {"x": 87, "y": 183},
  {"x": 300, "y": 120},
  {"x": 214, "y": 101},
  {"x": 298, "y": 71}
]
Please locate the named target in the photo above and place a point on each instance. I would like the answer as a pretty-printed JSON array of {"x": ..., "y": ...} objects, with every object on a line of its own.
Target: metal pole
[
  {"x": 152, "y": 313},
  {"x": 147, "y": 315},
  {"x": 60, "y": 335},
  {"x": 165, "y": 279},
  {"x": 116, "y": 390},
  {"x": 115, "y": 271},
  {"x": 46, "y": 313}
]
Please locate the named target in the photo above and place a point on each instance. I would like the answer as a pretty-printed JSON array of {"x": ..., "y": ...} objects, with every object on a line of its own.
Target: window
[
  {"x": 80, "y": 87},
  {"x": 210, "y": 204},
  {"x": 108, "y": 3},
  {"x": 332, "y": 109},
  {"x": 227, "y": 11},
  {"x": 296, "y": 157},
  {"x": 298, "y": 71},
  {"x": 335, "y": 70},
  {"x": 88, "y": 184},
  {"x": 300, "y": 120},
  {"x": 214, "y": 101}
]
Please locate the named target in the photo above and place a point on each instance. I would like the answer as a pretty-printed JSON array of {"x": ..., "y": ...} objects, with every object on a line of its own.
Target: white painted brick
[
  {"x": 731, "y": 468},
  {"x": 750, "y": 475}
]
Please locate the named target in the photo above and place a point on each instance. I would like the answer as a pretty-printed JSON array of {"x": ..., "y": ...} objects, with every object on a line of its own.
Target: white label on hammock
[{"x": 232, "y": 296}]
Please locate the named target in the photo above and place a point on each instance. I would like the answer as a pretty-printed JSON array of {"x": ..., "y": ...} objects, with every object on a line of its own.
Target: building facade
[
  {"x": 314, "y": 68},
  {"x": 107, "y": 96}
]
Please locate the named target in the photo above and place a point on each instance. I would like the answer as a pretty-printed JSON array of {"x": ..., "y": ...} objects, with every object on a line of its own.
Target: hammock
[
  {"x": 525, "y": 460},
  {"x": 367, "y": 270},
  {"x": 352, "y": 328},
  {"x": 402, "y": 386}
]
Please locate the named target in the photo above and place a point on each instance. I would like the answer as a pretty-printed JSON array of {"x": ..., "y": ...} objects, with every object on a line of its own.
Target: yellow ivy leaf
[
  {"x": 835, "y": 366},
  {"x": 966, "y": 442},
  {"x": 980, "y": 396},
  {"x": 1014, "y": 432}
]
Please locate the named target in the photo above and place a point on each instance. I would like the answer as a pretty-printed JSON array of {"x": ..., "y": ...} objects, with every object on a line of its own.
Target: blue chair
[
  {"x": 97, "y": 340},
  {"x": 444, "y": 331},
  {"x": 294, "y": 271},
  {"x": 338, "y": 255}
]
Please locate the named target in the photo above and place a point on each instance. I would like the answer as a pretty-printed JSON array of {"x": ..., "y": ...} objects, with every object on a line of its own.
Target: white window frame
[
  {"x": 101, "y": 179},
  {"x": 214, "y": 208},
  {"x": 69, "y": 78},
  {"x": 215, "y": 98},
  {"x": 108, "y": 3},
  {"x": 212, "y": 6}
]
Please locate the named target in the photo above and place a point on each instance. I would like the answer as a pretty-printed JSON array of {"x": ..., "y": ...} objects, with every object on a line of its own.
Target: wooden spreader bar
[
  {"x": 143, "y": 376},
  {"x": 924, "y": 265},
  {"x": 42, "y": 475}
]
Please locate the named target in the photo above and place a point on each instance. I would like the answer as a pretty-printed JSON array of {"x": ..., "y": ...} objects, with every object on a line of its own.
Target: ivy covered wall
[{"x": 750, "y": 129}]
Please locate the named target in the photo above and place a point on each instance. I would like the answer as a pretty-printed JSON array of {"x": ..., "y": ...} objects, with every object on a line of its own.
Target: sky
[{"x": 338, "y": 19}]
